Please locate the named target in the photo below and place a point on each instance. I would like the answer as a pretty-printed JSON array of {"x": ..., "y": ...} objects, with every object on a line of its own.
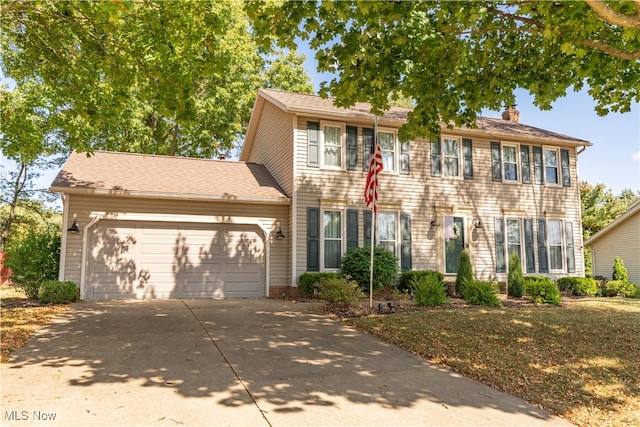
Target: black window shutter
[
  {"x": 405, "y": 246},
  {"x": 313, "y": 144},
  {"x": 367, "y": 227},
  {"x": 467, "y": 155},
  {"x": 313, "y": 239},
  {"x": 525, "y": 162},
  {"x": 496, "y": 161},
  {"x": 537, "y": 165},
  {"x": 352, "y": 228},
  {"x": 528, "y": 246},
  {"x": 501, "y": 265},
  {"x": 436, "y": 156},
  {"x": 571, "y": 256},
  {"x": 367, "y": 141},
  {"x": 542, "y": 246},
  {"x": 564, "y": 161},
  {"x": 404, "y": 158},
  {"x": 352, "y": 147}
]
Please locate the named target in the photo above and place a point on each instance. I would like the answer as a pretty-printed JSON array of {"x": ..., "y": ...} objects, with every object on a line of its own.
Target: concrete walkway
[{"x": 249, "y": 362}]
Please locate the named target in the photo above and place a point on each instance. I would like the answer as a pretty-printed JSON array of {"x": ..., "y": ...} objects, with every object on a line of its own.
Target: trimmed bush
[
  {"x": 619, "y": 270},
  {"x": 339, "y": 291},
  {"x": 408, "y": 277},
  {"x": 465, "y": 273},
  {"x": 618, "y": 287},
  {"x": 308, "y": 282},
  {"x": 542, "y": 290},
  {"x": 579, "y": 286},
  {"x": 34, "y": 259},
  {"x": 429, "y": 290},
  {"x": 637, "y": 293},
  {"x": 57, "y": 292},
  {"x": 355, "y": 264},
  {"x": 479, "y": 292},
  {"x": 515, "y": 278}
]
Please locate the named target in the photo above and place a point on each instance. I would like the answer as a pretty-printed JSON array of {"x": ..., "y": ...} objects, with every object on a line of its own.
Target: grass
[
  {"x": 21, "y": 318},
  {"x": 580, "y": 361}
]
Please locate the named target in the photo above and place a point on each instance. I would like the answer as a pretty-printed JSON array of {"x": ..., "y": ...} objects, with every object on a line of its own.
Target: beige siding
[
  {"x": 425, "y": 197},
  {"x": 268, "y": 217},
  {"x": 272, "y": 146},
  {"x": 622, "y": 241}
]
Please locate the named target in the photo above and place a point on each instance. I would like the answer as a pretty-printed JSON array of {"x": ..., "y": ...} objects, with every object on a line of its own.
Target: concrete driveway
[{"x": 248, "y": 362}]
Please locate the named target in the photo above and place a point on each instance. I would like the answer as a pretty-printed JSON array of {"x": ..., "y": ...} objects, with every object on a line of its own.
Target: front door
[{"x": 453, "y": 242}]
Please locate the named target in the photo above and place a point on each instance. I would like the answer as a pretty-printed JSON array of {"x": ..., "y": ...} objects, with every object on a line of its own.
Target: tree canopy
[
  {"x": 170, "y": 77},
  {"x": 456, "y": 58}
]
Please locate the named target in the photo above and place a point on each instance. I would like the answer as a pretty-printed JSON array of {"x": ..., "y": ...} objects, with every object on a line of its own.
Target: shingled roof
[
  {"x": 490, "y": 127},
  {"x": 166, "y": 177}
]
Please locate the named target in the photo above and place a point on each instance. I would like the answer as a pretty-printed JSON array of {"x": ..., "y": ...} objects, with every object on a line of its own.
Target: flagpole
[{"x": 373, "y": 214}]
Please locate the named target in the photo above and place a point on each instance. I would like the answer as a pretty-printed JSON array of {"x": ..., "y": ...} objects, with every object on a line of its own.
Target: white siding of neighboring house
[{"x": 86, "y": 208}]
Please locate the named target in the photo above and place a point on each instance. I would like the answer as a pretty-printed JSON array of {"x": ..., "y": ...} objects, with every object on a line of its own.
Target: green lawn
[{"x": 580, "y": 361}]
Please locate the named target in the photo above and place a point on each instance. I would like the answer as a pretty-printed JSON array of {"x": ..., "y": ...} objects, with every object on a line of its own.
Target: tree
[
  {"x": 171, "y": 77},
  {"x": 600, "y": 206},
  {"x": 515, "y": 278},
  {"x": 465, "y": 273},
  {"x": 454, "y": 59}
]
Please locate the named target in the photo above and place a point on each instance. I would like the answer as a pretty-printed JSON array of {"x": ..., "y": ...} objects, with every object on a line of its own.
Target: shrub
[
  {"x": 637, "y": 292},
  {"x": 308, "y": 282},
  {"x": 578, "y": 285},
  {"x": 34, "y": 259},
  {"x": 429, "y": 290},
  {"x": 465, "y": 273},
  {"x": 355, "y": 264},
  {"x": 542, "y": 290},
  {"x": 479, "y": 292},
  {"x": 619, "y": 287},
  {"x": 339, "y": 291},
  {"x": 515, "y": 279},
  {"x": 619, "y": 270},
  {"x": 408, "y": 277},
  {"x": 56, "y": 292}
]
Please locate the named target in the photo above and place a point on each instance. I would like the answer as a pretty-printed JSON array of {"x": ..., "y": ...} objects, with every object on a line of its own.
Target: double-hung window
[
  {"x": 388, "y": 231},
  {"x": 554, "y": 239},
  {"x": 332, "y": 238},
  {"x": 332, "y": 142},
  {"x": 551, "y": 165},
  {"x": 510, "y": 163},
  {"x": 388, "y": 150},
  {"x": 451, "y": 156},
  {"x": 514, "y": 238}
]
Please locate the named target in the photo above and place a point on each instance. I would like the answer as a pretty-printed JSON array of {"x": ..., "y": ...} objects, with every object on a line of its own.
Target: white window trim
[
  {"x": 518, "y": 180},
  {"x": 343, "y": 143},
  {"x": 546, "y": 148},
  {"x": 563, "y": 247},
  {"x": 398, "y": 241},
  {"x": 396, "y": 150},
  {"x": 342, "y": 235},
  {"x": 506, "y": 241},
  {"x": 460, "y": 157}
]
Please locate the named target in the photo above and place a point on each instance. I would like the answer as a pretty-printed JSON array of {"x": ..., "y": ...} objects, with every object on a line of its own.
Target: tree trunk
[{"x": 18, "y": 186}]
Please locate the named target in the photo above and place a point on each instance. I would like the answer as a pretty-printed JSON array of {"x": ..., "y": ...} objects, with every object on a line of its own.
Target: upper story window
[
  {"x": 451, "y": 156},
  {"x": 510, "y": 162},
  {"x": 388, "y": 148},
  {"x": 551, "y": 172},
  {"x": 332, "y": 137}
]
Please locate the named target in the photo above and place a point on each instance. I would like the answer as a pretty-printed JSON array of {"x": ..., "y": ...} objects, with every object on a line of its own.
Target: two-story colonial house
[{"x": 152, "y": 226}]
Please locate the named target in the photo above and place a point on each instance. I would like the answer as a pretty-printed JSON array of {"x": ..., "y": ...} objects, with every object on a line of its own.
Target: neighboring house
[
  {"x": 620, "y": 238},
  {"x": 154, "y": 226}
]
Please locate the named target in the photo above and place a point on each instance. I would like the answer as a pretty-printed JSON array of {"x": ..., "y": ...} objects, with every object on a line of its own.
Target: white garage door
[{"x": 130, "y": 259}]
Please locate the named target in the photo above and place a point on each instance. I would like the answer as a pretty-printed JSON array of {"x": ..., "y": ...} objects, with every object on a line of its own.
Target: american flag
[{"x": 371, "y": 187}]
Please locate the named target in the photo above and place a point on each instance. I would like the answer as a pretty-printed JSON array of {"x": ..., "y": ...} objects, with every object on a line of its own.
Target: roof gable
[
  {"x": 166, "y": 177},
  {"x": 634, "y": 209}
]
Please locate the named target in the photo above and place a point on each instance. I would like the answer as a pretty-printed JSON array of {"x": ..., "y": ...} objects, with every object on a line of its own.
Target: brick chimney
[{"x": 511, "y": 114}]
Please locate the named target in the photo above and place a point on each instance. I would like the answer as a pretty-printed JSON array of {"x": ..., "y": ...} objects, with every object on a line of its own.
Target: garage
[{"x": 130, "y": 259}]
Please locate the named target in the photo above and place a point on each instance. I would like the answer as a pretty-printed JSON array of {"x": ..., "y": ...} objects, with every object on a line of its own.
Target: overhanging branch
[{"x": 615, "y": 18}]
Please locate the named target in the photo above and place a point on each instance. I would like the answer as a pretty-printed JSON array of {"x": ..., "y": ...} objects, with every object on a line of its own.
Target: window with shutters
[
  {"x": 551, "y": 166},
  {"x": 331, "y": 239},
  {"x": 514, "y": 239},
  {"x": 388, "y": 231},
  {"x": 451, "y": 157},
  {"x": 555, "y": 244},
  {"x": 388, "y": 149},
  {"x": 332, "y": 145},
  {"x": 510, "y": 163}
]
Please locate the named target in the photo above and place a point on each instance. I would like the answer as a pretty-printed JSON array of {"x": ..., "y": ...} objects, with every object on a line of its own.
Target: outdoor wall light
[
  {"x": 434, "y": 223},
  {"x": 74, "y": 227},
  {"x": 477, "y": 224},
  {"x": 280, "y": 235}
]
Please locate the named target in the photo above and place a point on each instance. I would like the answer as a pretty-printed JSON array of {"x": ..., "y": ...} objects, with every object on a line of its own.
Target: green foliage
[
  {"x": 34, "y": 260},
  {"x": 429, "y": 290},
  {"x": 600, "y": 207},
  {"x": 408, "y": 277},
  {"x": 479, "y": 292},
  {"x": 57, "y": 292},
  {"x": 619, "y": 287},
  {"x": 356, "y": 262},
  {"x": 340, "y": 291},
  {"x": 380, "y": 51},
  {"x": 515, "y": 279},
  {"x": 308, "y": 282},
  {"x": 637, "y": 292},
  {"x": 542, "y": 290},
  {"x": 579, "y": 286},
  {"x": 465, "y": 273},
  {"x": 619, "y": 270}
]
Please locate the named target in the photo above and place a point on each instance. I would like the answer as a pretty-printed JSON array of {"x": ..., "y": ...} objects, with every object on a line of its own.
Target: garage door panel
[{"x": 161, "y": 260}]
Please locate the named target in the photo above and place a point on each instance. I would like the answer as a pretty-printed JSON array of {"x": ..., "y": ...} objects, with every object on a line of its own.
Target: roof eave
[{"x": 612, "y": 225}]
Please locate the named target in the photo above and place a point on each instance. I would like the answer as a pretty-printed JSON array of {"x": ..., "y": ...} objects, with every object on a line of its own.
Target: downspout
[{"x": 584, "y": 272}]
